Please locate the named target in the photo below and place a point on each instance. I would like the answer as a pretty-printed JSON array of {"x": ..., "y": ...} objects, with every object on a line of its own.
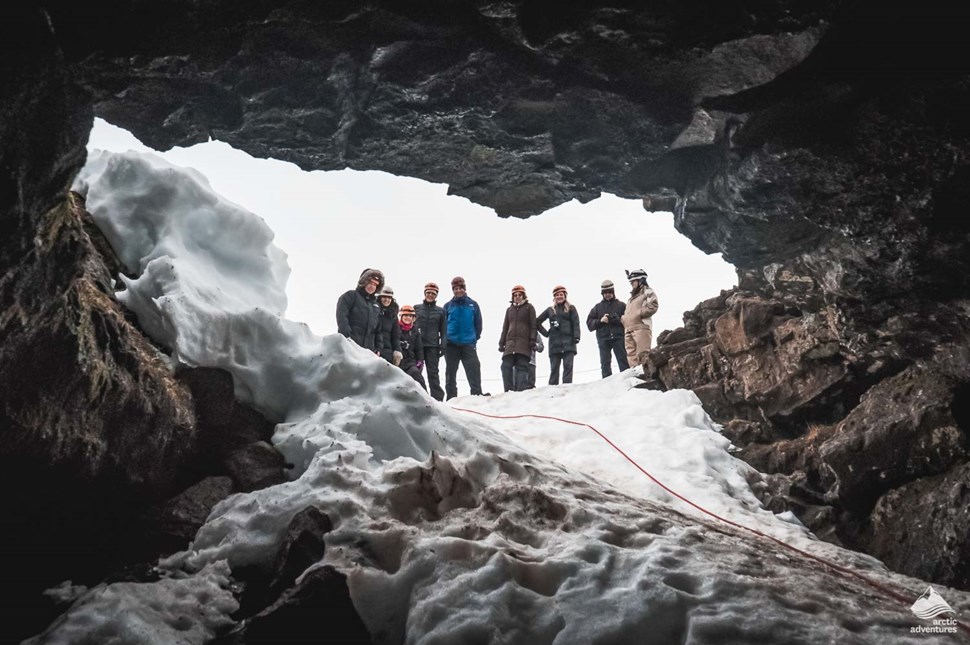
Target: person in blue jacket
[{"x": 463, "y": 328}]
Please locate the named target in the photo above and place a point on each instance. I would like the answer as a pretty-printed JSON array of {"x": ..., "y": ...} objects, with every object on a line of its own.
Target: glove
[
  {"x": 575, "y": 341},
  {"x": 441, "y": 352},
  {"x": 419, "y": 365},
  {"x": 532, "y": 346},
  {"x": 397, "y": 356},
  {"x": 501, "y": 348},
  {"x": 605, "y": 319}
]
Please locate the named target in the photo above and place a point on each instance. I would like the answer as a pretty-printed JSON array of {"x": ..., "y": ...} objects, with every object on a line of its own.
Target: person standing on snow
[
  {"x": 359, "y": 315},
  {"x": 605, "y": 318},
  {"x": 637, "y": 320},
  {"x": 390, "y": 332},
  {"x": 518, "y": 341},
  {"x": 463, "y": 328},
  {"x": 431, "y": 323},
  {"x": 411, "y": 348},
  {"x": 563, "y": 335}
]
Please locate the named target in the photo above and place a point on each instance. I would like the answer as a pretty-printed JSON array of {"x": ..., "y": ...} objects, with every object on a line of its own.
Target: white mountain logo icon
[{"x": 930, "y": 605}]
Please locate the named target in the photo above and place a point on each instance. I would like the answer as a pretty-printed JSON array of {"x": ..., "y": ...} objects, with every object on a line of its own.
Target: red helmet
[
  {"x": 457, "y": 281},
  {"x": 406, "y": 310},
  {"x": 558, "y": 288},
  {"x": 431, "y": 286},
  {"x": 518, "y": 289}
]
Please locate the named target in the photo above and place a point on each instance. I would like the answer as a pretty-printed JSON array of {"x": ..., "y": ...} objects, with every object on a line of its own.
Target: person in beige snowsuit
[{"x": 637, "y": 320}]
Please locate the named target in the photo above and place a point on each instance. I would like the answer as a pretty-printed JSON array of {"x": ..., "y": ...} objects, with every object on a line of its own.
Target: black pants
[
  {"x": 614, "y": 345},
  {"x": 567, "y": 367},
  {"x": 431, "y": 355},
  {"x": 515, "y": 372},
  {"x": 413, "y": 371},
  {"x": 468, "y": 357}
]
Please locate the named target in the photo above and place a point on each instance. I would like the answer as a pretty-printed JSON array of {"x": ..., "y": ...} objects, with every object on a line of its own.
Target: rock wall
[
  {"x": 100, "y": 435},
  {"x": 866, "y": 443}
]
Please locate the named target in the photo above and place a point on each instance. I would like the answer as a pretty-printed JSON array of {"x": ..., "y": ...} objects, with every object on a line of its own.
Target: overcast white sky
[{"x": 334, "y": 224}]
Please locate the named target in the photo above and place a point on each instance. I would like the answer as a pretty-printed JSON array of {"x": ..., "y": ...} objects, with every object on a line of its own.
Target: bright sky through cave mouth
[
  {"x": 332, "y": 225},
  {"x": 450, "y": 526}
]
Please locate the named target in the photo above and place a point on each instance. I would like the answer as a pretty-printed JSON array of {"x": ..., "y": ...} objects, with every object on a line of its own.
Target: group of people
[{"x": 414, "y": 338}]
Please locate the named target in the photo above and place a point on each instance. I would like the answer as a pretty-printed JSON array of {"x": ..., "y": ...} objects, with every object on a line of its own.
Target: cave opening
[{"x": 332, "y": 225}]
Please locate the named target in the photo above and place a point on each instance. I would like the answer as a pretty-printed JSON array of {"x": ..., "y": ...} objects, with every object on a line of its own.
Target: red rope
[{"x": 878, "y": 586}]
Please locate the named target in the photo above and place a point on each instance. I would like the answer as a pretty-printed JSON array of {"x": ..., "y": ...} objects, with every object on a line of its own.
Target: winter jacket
[
  {"x": 390, "y": 332},
  {"x": 463, "y": 321},
  {"x": 412, "y": 347},
  {"x": 563, "y": 333},
  {"x": 518, "y": 330},
  {"x": 609, "y": 330},
  {"x": 358, "y": 318},
  {"x": 642, "y": 305},
  {"x": 430, "y": 319}
]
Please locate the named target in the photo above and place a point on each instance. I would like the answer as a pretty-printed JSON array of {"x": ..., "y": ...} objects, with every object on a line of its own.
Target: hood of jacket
[{"x": 367, "y": 274}]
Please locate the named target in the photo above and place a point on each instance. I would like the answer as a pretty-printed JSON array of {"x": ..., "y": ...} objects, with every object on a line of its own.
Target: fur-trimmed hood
[{"x": 367, "y": 274}]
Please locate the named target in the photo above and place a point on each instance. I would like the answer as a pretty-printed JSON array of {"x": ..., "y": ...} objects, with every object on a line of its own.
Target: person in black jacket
[
  {"x": 604, "y": 319},
  {"x": 411, "y": 348},
  {"x": 390, "y": 331},
  {"x": 358, "y": 314},
  {"x": 431, "y": 323},
  {"x": 563, "y": 335}
]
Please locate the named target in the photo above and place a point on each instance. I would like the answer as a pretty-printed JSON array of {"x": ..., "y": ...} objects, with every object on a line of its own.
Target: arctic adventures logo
[{"x": 929, "y": 606}]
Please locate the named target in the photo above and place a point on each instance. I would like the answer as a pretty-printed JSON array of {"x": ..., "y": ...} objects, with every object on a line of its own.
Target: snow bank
[{"x": 176, "y": 611}]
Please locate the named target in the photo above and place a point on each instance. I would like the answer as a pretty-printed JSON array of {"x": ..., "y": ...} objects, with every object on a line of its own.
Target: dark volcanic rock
[
  {"x": 170, "y": 526},
  {"x": 921, "y": 528},
  {"x": 255, "y": 466},
  {"x": 302, "y": 546},
  {"x": 95, "y": 420},
  {"x": 109, "y": 404},
  {"x": 318, "y": 608},
  {"x": 95, "y": 426},
  {"x": 232, "y": 436},
  {"x": 902, "y": 430},
  {"x": 749, "y": 355},
  {"x": 842, "y": 422},
  {"x": 223, "y": 422},
  {"x": 512, "y": 108}
]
